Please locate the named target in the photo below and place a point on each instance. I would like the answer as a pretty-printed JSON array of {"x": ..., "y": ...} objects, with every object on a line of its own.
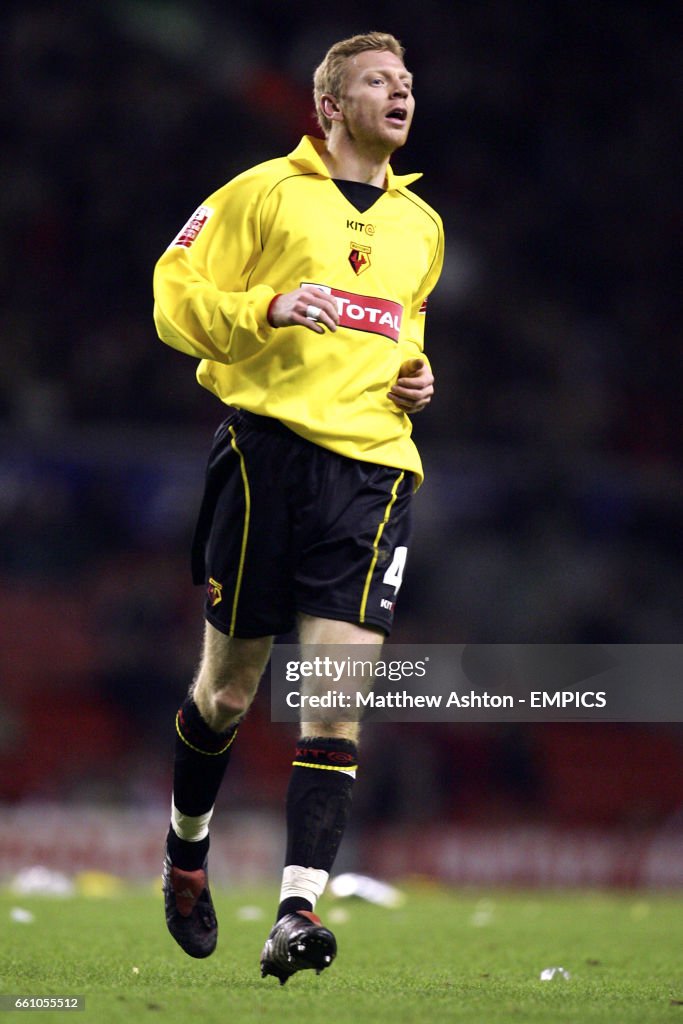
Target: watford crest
[
  {"x": 214, "y": 592},
  {"x": 359, "y": 257}
]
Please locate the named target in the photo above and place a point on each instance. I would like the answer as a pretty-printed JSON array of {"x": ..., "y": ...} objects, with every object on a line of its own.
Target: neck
[{"x": 344, "y": 161}]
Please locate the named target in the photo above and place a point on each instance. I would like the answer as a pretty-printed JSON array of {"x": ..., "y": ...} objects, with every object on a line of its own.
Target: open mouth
[{"x": 398, "y": 114}]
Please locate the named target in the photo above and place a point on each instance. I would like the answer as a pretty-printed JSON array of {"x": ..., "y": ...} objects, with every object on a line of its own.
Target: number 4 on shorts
[{"x": 394, "y": 574}]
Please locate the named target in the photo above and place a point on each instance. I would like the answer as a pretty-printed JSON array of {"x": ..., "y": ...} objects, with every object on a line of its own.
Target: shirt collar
[{"x": 307, "y": 155}]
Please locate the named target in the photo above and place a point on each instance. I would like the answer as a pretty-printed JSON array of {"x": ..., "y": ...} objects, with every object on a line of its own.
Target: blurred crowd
[{"x": 548, "y": 136}]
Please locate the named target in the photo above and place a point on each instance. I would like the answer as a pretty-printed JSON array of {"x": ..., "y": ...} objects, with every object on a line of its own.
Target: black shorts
[{"x": 287, "y": 526}]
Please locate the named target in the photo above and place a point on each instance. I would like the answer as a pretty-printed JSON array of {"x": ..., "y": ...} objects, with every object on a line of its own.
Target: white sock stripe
[
  {"x": 189, "y": 827},
  {"x": 307, "y": 883}
]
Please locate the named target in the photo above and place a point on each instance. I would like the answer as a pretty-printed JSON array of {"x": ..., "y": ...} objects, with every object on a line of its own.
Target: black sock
[
  {"x": 201, "y": 757},
  {"x": 293, "y": 904},
  {"x": 318, "y": 807},
  {"x": 186, "y": 855}
]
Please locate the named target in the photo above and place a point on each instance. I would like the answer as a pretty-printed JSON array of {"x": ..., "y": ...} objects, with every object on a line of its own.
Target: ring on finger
[{"x": 312, "y": 312}]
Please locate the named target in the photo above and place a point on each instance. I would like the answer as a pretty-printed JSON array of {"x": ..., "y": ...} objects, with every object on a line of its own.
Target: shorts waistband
[{"x": 267, "y": 423}]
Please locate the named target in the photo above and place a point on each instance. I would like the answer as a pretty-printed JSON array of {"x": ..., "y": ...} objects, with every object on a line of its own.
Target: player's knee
[
  {"x": 223, "y": 707},
  {"x": 223, "y": 702},
  {"x": 228, "y": 678},
  {"x": 232, "y": 702}
]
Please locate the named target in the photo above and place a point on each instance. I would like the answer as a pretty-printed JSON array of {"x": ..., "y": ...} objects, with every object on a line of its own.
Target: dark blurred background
[{"x": 549, "y": 137}]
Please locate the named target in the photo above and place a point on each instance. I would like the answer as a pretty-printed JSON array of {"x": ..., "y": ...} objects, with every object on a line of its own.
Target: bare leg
[
  {"x": 229, "y": 675},
  {"x": 206, "y": 726},
  {"x": 315, "y": 632}
]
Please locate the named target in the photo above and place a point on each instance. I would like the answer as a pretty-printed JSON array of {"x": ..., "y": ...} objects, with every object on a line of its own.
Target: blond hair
[{"x": 329, "y": 75}]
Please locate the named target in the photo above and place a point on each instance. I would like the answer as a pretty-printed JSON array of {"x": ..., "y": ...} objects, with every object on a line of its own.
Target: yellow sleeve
[
  {"x": 411, "y": 343},
  {"x": 203, "y": 304}
]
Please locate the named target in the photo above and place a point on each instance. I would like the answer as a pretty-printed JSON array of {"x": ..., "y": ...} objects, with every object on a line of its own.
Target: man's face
[{"x": 377, "y": 101}]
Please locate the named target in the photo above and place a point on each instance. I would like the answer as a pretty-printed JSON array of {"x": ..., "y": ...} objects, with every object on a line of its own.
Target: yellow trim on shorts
[
  {"x": 245, "y": 531},
  {"x": 198, "y": 750},
  {"x": 324, "y": 767},
  {"x": 375, "y": 545}
]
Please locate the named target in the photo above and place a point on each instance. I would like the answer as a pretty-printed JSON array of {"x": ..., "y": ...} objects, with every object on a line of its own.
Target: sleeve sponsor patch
[
  {"x": 423, "y": 307},
  {"x": 190, "y": 232}
]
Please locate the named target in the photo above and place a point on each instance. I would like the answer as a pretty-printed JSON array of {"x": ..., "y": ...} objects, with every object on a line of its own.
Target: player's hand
[
  {"x": 414, "y": 387},
  {"x": 306, "y": 307}
]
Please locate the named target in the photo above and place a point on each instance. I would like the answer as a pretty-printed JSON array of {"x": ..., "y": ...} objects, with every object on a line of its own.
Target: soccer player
[{"x": 301, "y": 285}]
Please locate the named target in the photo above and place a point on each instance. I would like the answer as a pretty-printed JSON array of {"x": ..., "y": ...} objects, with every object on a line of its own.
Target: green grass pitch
[{"x": 444, "y": 956}]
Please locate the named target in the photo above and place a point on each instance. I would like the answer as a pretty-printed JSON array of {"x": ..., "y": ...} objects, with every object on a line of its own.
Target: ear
[{"x": 330, "y": 107}]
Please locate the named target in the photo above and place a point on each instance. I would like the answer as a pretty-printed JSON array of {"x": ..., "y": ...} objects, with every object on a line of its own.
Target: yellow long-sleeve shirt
[{"x": 273, "y": 228}]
